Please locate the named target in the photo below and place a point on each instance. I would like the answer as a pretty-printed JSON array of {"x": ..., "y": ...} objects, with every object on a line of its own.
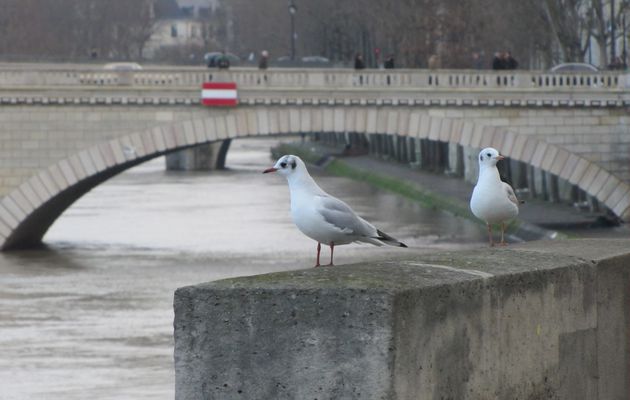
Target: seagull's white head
[
  {"x": 287, "y": 165},
  {"x": 489, "y": 157}
]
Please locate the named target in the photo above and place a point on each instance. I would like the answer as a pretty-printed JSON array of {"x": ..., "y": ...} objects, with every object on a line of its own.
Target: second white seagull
[
  {"x": 321, "y": 216},
  {"x": 493, "y": 200}
]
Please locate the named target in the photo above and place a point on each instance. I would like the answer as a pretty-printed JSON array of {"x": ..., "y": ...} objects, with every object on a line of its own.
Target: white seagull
[
  {"x": 322, "y": 217},
  {"x": 493, "y": 200}
]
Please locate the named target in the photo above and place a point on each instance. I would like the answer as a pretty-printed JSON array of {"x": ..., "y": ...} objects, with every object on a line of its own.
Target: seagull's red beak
[
  {"x": 499, "y": 158},
  {"x": 272, "y": 169}
]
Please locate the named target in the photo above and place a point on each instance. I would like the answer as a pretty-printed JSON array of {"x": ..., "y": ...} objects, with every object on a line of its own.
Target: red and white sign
[{"x": 219, "y": 94}]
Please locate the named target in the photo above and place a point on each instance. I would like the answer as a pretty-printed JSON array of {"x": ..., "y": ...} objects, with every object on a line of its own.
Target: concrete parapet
[{"x": 543, "y": 320}]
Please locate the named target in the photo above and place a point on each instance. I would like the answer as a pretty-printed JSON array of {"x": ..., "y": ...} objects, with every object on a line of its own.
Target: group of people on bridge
[{"x": 503, "y": 60}]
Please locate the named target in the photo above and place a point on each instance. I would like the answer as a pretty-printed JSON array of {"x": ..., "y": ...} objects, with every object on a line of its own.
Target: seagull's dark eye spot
[
  {"x": 283, "y": 164},
  {"x": 480, "y": 158},
  {"x": 293, "y": 164},
  {"x": 489, "y": 155}
]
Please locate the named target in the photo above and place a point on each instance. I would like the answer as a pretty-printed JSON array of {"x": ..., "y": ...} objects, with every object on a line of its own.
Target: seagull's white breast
[
  {"x": 309, "y": 220},
  {"x": 490, "y": 202}
]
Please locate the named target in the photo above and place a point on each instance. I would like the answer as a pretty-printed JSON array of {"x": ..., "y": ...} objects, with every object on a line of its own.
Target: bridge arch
[{"x": 28, "y": 211}]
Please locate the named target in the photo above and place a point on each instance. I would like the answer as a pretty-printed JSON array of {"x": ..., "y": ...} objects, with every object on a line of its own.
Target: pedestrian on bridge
[
  {"x": 264, "y": 60},
  {"x": 510, "y": 62},
  {"x": 497, "y": 61},
  {"x": 358, "y": 61},
  {"x": 389, "y": 62},
  {"x": 223, "y": 62}
]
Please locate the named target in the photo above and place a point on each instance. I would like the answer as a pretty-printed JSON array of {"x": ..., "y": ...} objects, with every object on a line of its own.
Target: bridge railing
[{"x": 400, "y": 79}]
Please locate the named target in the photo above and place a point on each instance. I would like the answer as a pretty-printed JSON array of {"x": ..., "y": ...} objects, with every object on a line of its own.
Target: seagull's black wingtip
[{"x": 388, "y": 240}]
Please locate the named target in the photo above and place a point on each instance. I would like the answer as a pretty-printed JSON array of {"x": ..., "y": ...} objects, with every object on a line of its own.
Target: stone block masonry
[
  {"x": 33, "y": 138},
  {"x": 544, "y": 320}
]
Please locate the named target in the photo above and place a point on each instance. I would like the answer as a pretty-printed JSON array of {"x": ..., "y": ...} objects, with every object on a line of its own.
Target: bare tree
[
  {"x": 411, "y": 30},
  {"x": 133, "y": 23},
  {"x": 212, "y": 22},
  {"x": 601, "y": 25},
  {"x": 570, "y": 25},
  {"x": 70, "y": 29}
]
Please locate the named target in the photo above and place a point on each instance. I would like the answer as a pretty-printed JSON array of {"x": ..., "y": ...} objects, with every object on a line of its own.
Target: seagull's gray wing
[
  {"x": 510, "y": 193},
  {"x": 341, "y": 216}
]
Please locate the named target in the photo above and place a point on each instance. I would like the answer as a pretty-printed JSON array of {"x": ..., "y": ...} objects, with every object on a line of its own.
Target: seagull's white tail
[{"x": 388, "y": 240}]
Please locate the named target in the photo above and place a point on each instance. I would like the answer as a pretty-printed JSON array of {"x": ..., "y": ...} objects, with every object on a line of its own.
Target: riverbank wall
[
  {"x": 461, "y": 161},
  {"x": 541, "y": 320}
]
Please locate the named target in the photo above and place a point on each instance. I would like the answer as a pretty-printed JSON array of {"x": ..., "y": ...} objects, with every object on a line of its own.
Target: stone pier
[
  {"x": 544, "y": 320},
  {"x": 205, "y": 157}
]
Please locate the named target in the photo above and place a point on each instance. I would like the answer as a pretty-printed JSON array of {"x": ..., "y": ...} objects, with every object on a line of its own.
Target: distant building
[
  {"x": 198, "y": 4},
  {"x": 174, "y": 32},
  {"x": 178, "y": 24}
]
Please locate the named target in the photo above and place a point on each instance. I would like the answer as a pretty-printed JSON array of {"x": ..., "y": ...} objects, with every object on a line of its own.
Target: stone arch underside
[{"x": 28, "y": 211}]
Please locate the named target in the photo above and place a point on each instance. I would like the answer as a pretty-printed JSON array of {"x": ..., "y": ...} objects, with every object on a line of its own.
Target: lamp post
[
  {"x": 292, "y": 11},
  {"x": 624, "y": 56},
  {"x": 613, "y": 52}
]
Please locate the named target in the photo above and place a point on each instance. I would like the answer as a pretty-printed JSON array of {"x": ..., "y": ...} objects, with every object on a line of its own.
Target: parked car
[
  {"x": 306, "y": 61},
  {"x": 211, "y": 58},
  {"x": 574, "y": 67},
  {"x": 315, "y": 60},
  {"x": 283, "y": 59},
  {"x": 123, "y": 66}
]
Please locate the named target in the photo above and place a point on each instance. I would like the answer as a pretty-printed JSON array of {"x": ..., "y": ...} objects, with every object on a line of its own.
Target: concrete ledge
[{"x": 544, "y": 320}]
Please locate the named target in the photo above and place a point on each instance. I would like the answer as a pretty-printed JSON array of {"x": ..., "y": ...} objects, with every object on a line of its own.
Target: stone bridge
[{"x": 66, "y": 129}]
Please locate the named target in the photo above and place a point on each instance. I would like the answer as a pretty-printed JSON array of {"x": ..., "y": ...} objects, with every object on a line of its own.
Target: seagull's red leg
[
  {"x": 332, "y": 249},
  {"x": 490, "y": 234},
  {"x": 319, "y": 249},
  {"x": 502, "y": 233}
]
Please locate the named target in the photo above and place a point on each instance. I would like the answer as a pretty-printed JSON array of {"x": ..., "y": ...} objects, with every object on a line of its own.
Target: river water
[{"x": 91, "y": 315}]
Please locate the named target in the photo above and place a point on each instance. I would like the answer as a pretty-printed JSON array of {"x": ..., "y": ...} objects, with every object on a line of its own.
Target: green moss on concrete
[
  {"x": 375, "y": 277},
  {"x": 423, "y": 196}
]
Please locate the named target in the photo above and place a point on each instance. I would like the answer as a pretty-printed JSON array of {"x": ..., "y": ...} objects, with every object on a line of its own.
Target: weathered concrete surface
[{"x": 544, "y": 320}]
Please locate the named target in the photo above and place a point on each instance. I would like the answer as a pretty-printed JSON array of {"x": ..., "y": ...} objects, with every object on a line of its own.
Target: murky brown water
[{"x": 91, "y": 317}]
